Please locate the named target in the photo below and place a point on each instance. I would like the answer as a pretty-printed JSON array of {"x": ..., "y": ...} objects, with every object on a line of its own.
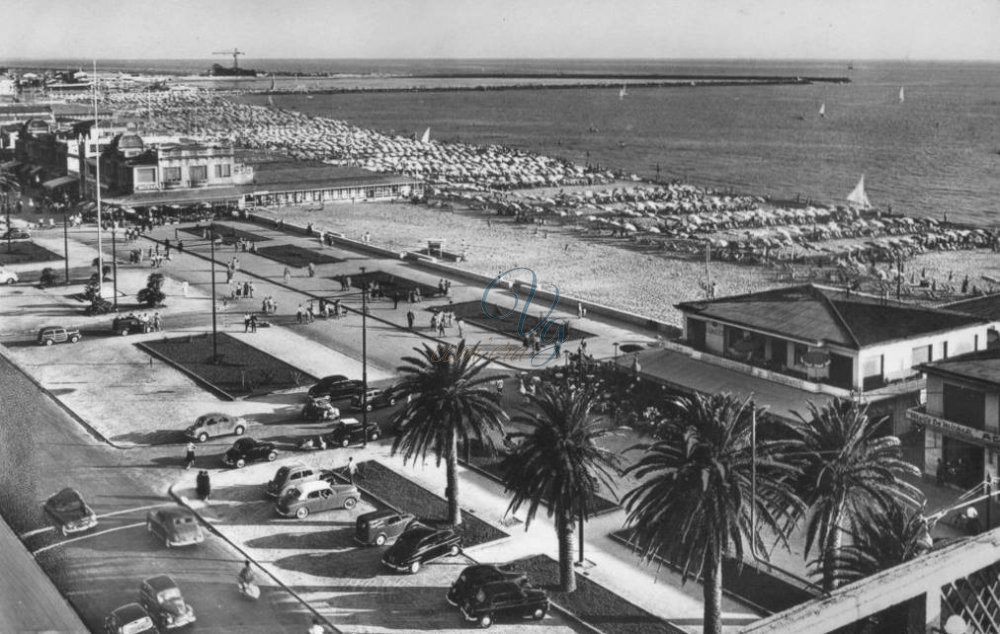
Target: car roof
[
  {"x": 247, "y": 442},
  {"x": 374, "y": 515},
  {"x": 159, "y": 583},
  {"x": 313, "y": 485},
  {"x": 66, "y": 495},
  {"x": 349, "y": 421},
  {"x": 175, "y": 511},
  {"x": 294, "y": 466},
  {"x": 52, "y": 327},
  {"x": 129, "y": 612},
  {"x": 213, "y": 415}
]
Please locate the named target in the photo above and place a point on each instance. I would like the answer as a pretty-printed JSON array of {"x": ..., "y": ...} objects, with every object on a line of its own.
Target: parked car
[
  {"x": 292, "y": 475},
  {"x": 478, "y": 575},
  {"x": 57, "y": 334},
  {"x": 350, "y": 431},
  {"x": 176, "y": 526},
  {"x": 376, "y": 398},
  {"x": 216, "y": 424},
  {"x": 8, "y": 277},
  {"x": 130, "y": 324},
  {"x": 16, "y": 233},
  {"x": 344, "y": 390},
  {"x": 381, "y": 527},
  {"x": 420, "y": 544},
  {"x": 316, "y": 496},
  {"x": 320, "y": 408},
  {"x": 70, "y": 513},
  {"x": 246, "y": 450},
  {"x": 162, "y": 599},
  {"x": 323, "y": 387},
  {"x": 129, "y": 619},
  {"x": 506, "y": 601}
]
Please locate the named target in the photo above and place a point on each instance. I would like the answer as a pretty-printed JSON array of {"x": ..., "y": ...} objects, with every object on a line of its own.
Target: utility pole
[
  {"x": 97, "y": 188},
  {"x": 215, "y": 339},
  {"x": 364, "y": 358},
  {"x": 114, "y": 259}
]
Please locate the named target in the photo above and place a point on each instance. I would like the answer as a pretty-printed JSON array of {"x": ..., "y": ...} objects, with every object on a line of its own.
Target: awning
[{"x": 59, "y": 182}]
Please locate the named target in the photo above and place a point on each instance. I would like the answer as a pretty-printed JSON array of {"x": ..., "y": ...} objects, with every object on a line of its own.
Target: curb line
[
  {"x": 63, "y": 406},
  {"x": 183, "y": 501}
]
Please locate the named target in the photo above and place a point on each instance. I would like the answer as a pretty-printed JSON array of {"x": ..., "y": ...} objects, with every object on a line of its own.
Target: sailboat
[
  {"x": 822, "y": 111},
  {"x": 623, "y": 92},
  {"x": 858, "y": 196},
  {"x": 427, "y": 136},
  {"x": 902, "y": 96}
]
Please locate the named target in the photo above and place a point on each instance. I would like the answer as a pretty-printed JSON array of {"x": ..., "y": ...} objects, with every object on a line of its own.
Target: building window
[
  {"x": 171, "y": 174},
  {"x": 145, "y": 175},
  {"x": 921, "y": 354},
  {"x": 800, "y": 350},
  {"x": 964, "y": 406},
  {"x": 199, "y": 173},
  {"x": 223, "y": 171}
]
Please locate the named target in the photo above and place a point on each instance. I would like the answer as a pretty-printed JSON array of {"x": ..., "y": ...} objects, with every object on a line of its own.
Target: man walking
[
  {"x": 189, "y": 456},
  {"x": 410, "y": 318},
  {"x": 352, "y": 469},
  {"x": 246, "y": 322}
]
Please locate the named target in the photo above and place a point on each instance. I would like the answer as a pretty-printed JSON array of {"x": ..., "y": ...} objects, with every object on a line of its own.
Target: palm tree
[
  {"x": 848, "y": 472},
  {"x": 446, "y": 400},
  {"x": 883, "y": 538},
  {"x": 694, "y": 502},
  {"x": 555, "y": 461}
]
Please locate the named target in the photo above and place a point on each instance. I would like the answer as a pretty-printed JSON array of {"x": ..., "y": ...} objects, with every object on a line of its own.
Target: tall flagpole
[{"x": 97, "y": 186}]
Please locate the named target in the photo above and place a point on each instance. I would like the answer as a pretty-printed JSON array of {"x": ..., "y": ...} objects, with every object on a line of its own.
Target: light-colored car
[
  {"x": 176, "y": 526},
  {"x": 316, "y": 496},
  {"x": 214, "y": 425},
  {"x": 8, "y": 277},
  {"x": 57, "y": 334}
]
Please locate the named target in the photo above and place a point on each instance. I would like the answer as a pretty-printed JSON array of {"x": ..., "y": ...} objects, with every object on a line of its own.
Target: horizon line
[{"x": 550, "y": 58}]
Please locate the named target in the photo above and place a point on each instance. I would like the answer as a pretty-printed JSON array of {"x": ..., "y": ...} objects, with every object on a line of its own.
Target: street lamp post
[
  {"x": 364, "y": 358},
  {"x": 114, "y": 260},
  {"x": 66, "y": 241},
  {"x": 215, "y": 338}
]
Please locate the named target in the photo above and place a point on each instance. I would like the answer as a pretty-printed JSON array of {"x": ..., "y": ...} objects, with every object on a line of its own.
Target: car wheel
[
  {"x": 74, "y": 339},
  {"x": 454, "y": 551},
  {"x": 49, "y": 342},
  {"x": 202, "y": 437},
  {"x": 345, "y": 442},
  {"x": 380, "y": 540},
  {"x": 350, "y": 503},
  {"x": 485, "y": 621},
  {"x": 123, "y": 332},
  {"x": 375, "y": 435},
  {"x": 538, "y": 614},
  {"x": 239, "y": 430},
  {"x": 414, "y": 567},
  {"x": 64, "y": 531},
  {"x": 368, "y": 407},
  {"x": 241, "y": 463},
  {"x": 271, "y": 457},
  {"x": 302, "y": 513},
  {"x": 166, "y": 542},
  {"x": 392, "y": 401}
]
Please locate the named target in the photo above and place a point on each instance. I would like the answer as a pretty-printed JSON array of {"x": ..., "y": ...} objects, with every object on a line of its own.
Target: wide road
[{"x": 42, "y": 450}]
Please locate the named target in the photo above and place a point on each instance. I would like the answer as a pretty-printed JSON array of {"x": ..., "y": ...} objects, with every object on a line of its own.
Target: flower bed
[
  {"x": 242, "y": 370},
  {"x": 296, "y": 256},
  {"x": 744, "y": 581},
  {"x": 402, "y": 494},
  {"x": 22, "y": 251},
  {"x": 472, "y": 312},
  {"x": 228, "y": 234},
  {"x": 390, "y": 284},
  {"x": 592, "y": 603}
]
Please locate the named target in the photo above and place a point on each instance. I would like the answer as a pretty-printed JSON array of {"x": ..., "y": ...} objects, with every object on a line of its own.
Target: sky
[{"x": 455, "y": 29}]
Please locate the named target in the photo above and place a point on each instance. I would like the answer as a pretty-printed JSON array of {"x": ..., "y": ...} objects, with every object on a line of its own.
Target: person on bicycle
[{"x": 246, "y": 576}]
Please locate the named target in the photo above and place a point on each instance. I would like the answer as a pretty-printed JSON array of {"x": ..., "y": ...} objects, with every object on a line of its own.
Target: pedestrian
[
  {"x": 189, "y": 456},
  {"x": 287, "y": 274},
  {"x": 579, "y": 310},
  {"x": 184, "y": 288},
  {"x": 410, "y": 318},
  {"x": 352, "y": 469},
  {"x": 395, "y": 300},
  {"x": 434, "y": 320},
  {"x": 246, "y": 322},
  {"x": 203, "y": 486},
  {"x": 347, "y": 283},
  {"x": 316, "y": 627},
  {"x": 441, "y": 332},
  {"x": 940, "y": 473},
  {"x": 499, "y": 386},
  {"x": 253, "y": 323},
  {"x": 250, "y": 288},
  {"x": 312, "y": 269},
  {"x": 458, "y": 322},
  {"x": 310, "y": 313},
  {"x": 157, "y": 326},
  {"x": 246, "y": 289},
  {"x": 166, "y": 244},
  {"x": 300, "y": 314}
]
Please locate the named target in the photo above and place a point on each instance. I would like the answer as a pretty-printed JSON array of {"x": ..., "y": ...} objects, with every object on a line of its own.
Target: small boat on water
[
  {"x": 427, "y": 136},
  {"x": 822, "y": 111},
  {"x": 623, "y": 92},
  {"x": 858, "y": 196}
]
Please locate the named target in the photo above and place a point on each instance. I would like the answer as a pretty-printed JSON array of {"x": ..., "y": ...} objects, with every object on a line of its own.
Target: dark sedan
[
  {"x": 476, "y": 576},
  {"x": 247, "y": 450},
  {"x": 175, "y": 526},
  {"x": 131, "y": 618},
  {"x": 70, "y": 513},
  {"x": 374, "y": 398},
  {"x": 344, "y": 390},
  {"x": 322, "y": 388},
  {"x": 419, "y": 545},
  {"x": 506, "y": 601},
  {"x": 350, "y": 431}
]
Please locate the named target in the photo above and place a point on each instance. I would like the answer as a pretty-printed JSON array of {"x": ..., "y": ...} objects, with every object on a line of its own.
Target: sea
[{"x": 935, "y": 152}]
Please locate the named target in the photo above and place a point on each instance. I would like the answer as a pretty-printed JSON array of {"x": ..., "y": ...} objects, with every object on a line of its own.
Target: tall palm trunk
[
  {"x": 834, "y": 540},
  {"x": 565, "y": 527},
  {"x": 454, "y": 513},
  {"x": 713, "y": 591}
]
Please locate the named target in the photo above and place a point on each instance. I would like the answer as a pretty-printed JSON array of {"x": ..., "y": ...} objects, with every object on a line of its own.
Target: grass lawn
[
  {"x": 404, "y": 495},
  {"x": 229, "y": 234},
  {"x": 295, "y": 256},
  {"x": 592, "y": 603},
  {"x": 472, "y": 313},
  {"x": 390, "y": 284},
  {"x": 746, "y": 582},
  {"x": 241, "y": 371},
  {"x": 22, "y": 251}
]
